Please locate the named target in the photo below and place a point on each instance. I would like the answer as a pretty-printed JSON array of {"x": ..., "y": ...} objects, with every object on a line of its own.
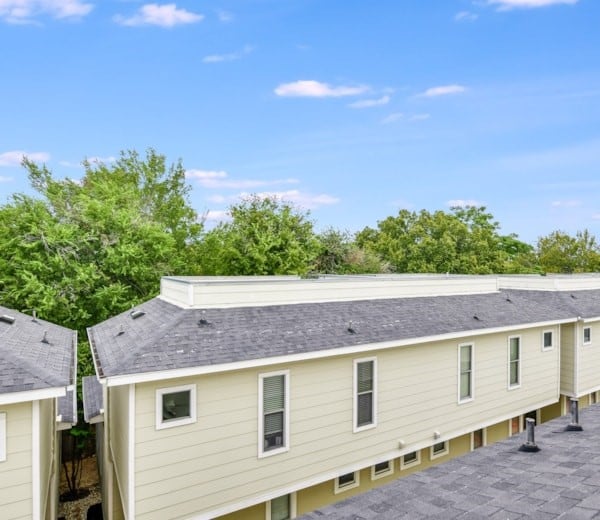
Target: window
[
  {"x": 465, "y": 367},
  {"x": 347, "y": 481},
  {"x": 547, "y": 340},
  {"x": 477, "y": 439},
  {"x": 587, "y": 335},
  {"x": 515, "y": 425},
  {"x": 382, "y": 469},
  {"x": 2, "y": 437},
  {"x": 514, "y": 362},
  {"x": 439, "y": 449},
  {"x": 410, "y": 459},
  {"x": 273, "y": 389},
  {"x": 175, "y": 406},
  {"x": 365, "y": 396},
  {"x": 282, "y": 508}
]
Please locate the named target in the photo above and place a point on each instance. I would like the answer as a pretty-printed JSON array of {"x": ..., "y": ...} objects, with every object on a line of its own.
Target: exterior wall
[
  {"x": 118, "y": 412},
  {"x": 47, "y": 448},
  {"x": 212, "y": 464},
  {"x": 16, "y": 500},
  {"x": 567, "y": 359},
  {"x": 589, "y": 361}
]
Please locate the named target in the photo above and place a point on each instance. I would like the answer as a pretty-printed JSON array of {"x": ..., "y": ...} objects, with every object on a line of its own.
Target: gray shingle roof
[
  {"x": 169, "y": 337},
  {"x": 496, "y": 482},
  {"x": 67, "y": 407},
  {"x": 30, "y": 362},
  {"x": 93, "y": 403}
]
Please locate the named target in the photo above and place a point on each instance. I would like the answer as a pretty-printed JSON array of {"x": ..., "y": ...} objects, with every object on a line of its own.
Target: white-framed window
[
  {"x": 465, "y": 373},
  {"x": 514, "y": 362},
  {"x": 439, "y": 449},
  {"x": 548, "y": 340},
  {"x": 175, "y": 406},
  {"x": 382, "y": 469},
  {"x": 587, "y": 335},
  {"x": 273, "y": 413},
  {"x": 411, "y": 459},
  {"x": 281, "y": 508},
  {"x": 2, "y": 436},
  {"x": 478, "y": 438},
  {"x": 365, "y": 394},
  {"x": 346, "y": 481}
]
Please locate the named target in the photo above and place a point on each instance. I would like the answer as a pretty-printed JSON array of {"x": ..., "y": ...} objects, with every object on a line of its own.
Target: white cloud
[
  {"x": 217, "y": 216},
  {"x": 392, "y": 118},
  {"x": 224, "y": 16},
  {"x": 507, "y": 5},
  {"x": 166, "y": 15},
  {"x": 302, "y": 199},
  {"x": 15, "y": 157},
  {"x": 316, "y": 89},
  {"x": 566, "y": 203},
  {"x": 218, "y": 58},
  {"x": 443, "y": 90},
  {"x": 465, "y": 16},
  {"x": 368, "y": 103},
  {"x": 218, "y": 180},
  {"x": 420, "y": 117},
  {"x": 596, "y": 216},
  {"x": 23, "y": 11},
  {"x": 463, "y": 203},
  {"x": 4, "y": 179}
]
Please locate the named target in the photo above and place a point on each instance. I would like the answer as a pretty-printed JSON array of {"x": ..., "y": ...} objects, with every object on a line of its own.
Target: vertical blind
[
  {"x": 364, "y": 388},
  {"x": 273, "y": 410}
]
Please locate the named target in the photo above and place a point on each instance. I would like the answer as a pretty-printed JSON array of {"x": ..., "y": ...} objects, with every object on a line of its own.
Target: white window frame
[
  {"x": 2, "y": 436},
  {"x": 483, "y": 438},
  {"x": 410, "y": 464},
  {"x": 351, "y": 485},
  {"x": 293, "y": 507},
  {"x": 160, "y": 392},
  {"x": 286, "y": 414},
  {"x": 445, "y": 451},
  {"x": 519, "y": 361},
  {"x": 469, "y": 398},
  {"x": 377, "y": 475},
  {"x": 589, "y": 341},
  {"x": 355, "y": 427},
  {"x": 544, "y": 347}
]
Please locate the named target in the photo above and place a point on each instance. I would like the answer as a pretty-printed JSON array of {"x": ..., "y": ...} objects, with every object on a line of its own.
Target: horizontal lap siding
[
  {"x": 200, "y": 467},
  {"x": 589, "y": 362},
  {"x": 118, "y": 420},
  {"x": 567, "y": 359},
  {"x": 15, "y": 471}
]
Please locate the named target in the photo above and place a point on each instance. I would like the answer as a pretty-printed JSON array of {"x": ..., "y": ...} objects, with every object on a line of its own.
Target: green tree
[
  {"x": 265, "y": 236},
  {"x": 560, "y": 252}
]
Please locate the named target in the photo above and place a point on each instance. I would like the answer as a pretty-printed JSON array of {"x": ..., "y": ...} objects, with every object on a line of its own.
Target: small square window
[
  {"x": 175, "y": 406},
  {"x": 347, "y": 481},
  {"x": 587, "y": 335},
  {"x": 548, "y": 340},
  {"x": 410, "y": 459},
  {"x": 439, "y": 450},
  {"x": 382, "y": 469}
]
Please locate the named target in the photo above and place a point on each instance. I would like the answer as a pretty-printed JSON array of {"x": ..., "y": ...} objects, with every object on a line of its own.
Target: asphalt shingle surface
[
  {"x": 67, "y": 407},
  {"x": 34, "y": 354},
  {"x": 169, "y": 337},
  {"x": 93, "y": 403},
  {"x": 560, "y": 481}
]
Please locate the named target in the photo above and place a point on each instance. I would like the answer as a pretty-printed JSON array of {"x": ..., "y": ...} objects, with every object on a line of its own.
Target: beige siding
[
  {"x": 15, "y": 471},
  {"x": 213, "y": 463},
  {"x": 589, "y": 361},
  {"x": 47, "y": 440},
  {"x": 567, "y": 359},
  {"x": 118, "y": 421}
]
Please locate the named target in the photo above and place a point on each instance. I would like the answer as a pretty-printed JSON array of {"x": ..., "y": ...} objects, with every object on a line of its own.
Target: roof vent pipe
[
  {"x": 530, "y": 446},
  {"x": 574, "y": 425}
]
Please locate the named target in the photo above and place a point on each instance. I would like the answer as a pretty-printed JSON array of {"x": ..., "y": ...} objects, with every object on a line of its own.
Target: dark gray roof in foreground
[
  {"x": 30, "y": 362},
  {"x": 169, "y": 337},
  {"x": 495, "y": 482},
  {"x": 67, "y": 406},
  {"x": 93, "y": 404}
]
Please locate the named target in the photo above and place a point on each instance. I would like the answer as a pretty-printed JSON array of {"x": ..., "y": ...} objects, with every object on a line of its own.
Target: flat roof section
[{"x": 562, "y": 480}]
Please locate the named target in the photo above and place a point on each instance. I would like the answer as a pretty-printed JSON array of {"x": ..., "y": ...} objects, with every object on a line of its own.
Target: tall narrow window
[
  {"x": 465, "y": 391},
  {"x": 2, "y": 437},
  {"x": 587, "y": 335},
  {"x": 514, "y": 361},
  {"x": 547, "y": 340},
  {"x": 365, "y": 401},
  {"x": 274, "y": 413}
]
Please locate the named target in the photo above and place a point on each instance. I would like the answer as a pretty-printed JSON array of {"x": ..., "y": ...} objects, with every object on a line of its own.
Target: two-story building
[{"x": 265, "y": 398}]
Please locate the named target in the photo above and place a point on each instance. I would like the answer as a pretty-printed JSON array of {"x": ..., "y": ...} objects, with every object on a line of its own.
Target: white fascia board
[
  {"x": 32, "y": 395},
  {"x": 160, "y": 375}
]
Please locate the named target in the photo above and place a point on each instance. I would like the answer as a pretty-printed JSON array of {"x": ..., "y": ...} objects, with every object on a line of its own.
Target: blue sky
[{"x": 350, "y": 109}]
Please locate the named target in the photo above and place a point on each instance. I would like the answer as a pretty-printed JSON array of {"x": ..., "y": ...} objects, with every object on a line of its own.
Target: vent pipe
[
  {"x": 530, "y": 446},
  {"x": 574, "y": 425}
]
